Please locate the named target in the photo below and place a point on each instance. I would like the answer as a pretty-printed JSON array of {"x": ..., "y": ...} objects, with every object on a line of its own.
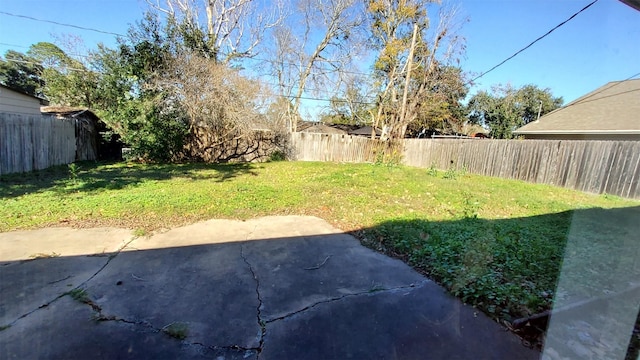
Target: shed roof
[
  {"x": 611, "y": 109},
  {"x": 68, "y": 111}
]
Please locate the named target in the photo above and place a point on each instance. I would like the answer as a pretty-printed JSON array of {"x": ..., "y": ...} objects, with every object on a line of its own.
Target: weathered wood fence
[
  {"x": 33, "y": 142},
  {"x": 611, "y": 167}
]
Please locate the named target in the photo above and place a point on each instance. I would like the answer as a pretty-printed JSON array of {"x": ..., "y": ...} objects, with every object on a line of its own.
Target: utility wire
[
  {"x": 586, "y": 98},
  {"x": 580, "y": 101},
  {"x": 61, "y": 24},
  {"x": 41, "y": 64},
  {"x": 29, "y": 47},
  {"x": 533, "y": 42}
]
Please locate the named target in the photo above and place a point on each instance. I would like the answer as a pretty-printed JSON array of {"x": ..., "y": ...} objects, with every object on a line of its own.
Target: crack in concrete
[
  {"x": 111, "y": 257},
  {"x": 261, "y": 323},
  {"x": 237, "y": 348},
  {"x": 101, "y": 317},
  {"x": 338, "y": 298}
]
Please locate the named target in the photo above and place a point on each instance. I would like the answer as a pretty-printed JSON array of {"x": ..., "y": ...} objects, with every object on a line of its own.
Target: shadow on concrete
[
  {"x": 93, "y": 176},
  {"x": 316, "y": 295},
  {"x": 307, "y": 291},
  {"x": 513, "y": 269}
]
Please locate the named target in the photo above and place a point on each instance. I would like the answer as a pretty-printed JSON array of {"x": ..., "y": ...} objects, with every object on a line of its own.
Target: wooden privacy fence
[
  {"x": 34, "y": 142},
  {"x": 342, "y": 148},
  {"x": 611, "y": 167}
]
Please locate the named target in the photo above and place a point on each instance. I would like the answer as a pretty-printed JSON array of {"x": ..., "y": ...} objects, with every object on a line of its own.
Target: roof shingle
[{"x": 611, "y": 109}]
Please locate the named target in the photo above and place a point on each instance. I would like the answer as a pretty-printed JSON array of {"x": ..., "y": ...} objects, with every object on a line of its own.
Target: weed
[
  {"x": 74, "y": 169},
  {"x": 140, "y": 232},
  {"x": 387, "y": 153},
  {"x": 470, "y": 206},
  {"x": 80, "y": 295},
  {"x": 451, "y": 173},
  {"x": 277, "y": 155},
  {"x": 177, "y": 330},
  {"x": 4, "y": 327},
  {"x": 432, "y": 171}
]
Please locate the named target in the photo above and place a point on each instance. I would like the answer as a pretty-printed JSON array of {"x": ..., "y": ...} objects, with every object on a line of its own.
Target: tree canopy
[
  {"x": 185, "y": 80},
  {"x": 21, "y": 72},
  {"x": 505, "y": 108}
]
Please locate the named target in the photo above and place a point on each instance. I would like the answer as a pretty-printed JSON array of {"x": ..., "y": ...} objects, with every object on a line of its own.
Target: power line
[
  {"x": 586, "y": 98},
  {"x": 533, "y": 42},
  {"x": 41, "y": 64},
  {"x": 29, "y": 47},
  {"x": 294, "y": 64},
  {"x": 61, "y": 24},
  {"x": 604, "y": 89}
]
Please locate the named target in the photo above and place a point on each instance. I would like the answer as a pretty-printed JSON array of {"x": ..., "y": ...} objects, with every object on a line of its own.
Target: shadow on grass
[
  {"x": 98, "y": 176},
  {"x": 514, "y": 268}
]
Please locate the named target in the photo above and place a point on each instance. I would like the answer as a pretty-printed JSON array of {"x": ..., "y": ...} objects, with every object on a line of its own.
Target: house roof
[
  {"x": 611, "y": 109},
  {"x": 324, "y": 129},
  {"x": 365, "y": 130}
]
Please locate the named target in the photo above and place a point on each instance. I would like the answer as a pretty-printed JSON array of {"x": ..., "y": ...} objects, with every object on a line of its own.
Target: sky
[{"x": 599, "y": 45}]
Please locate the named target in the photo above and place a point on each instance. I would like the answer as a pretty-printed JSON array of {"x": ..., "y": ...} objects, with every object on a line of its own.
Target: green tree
[
  {"x": 21, "y": 72},
  {"x": 129, "y": 104},
  {"x": 418, "y": 85},
  {"x": 505, "y": 108},
  {"x": 67, "y": 80}
]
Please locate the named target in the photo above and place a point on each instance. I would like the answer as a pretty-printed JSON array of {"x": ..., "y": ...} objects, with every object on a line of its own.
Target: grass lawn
[{"x": 497, "y": 244}]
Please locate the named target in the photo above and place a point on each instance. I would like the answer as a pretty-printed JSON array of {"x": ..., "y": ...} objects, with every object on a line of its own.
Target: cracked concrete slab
[
  {"x": 27, "y": 285},
  {"x": 276, "y": 287},
  {"x": 208, "y": 288},
  {"x": 296, "y": 274},
  {"x": 66, "y": 330},
  {"x": 421, "y": 322}
]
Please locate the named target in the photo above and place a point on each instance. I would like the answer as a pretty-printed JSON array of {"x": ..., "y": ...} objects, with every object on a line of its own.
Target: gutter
[{"x": 595, "y": 132}]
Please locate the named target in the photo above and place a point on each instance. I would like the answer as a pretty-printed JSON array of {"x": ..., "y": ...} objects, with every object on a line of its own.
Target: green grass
[
  {"x": 80, "y": 295},
  {"x": 177, "y": 330},
  {"x": 497, "y": 244}
]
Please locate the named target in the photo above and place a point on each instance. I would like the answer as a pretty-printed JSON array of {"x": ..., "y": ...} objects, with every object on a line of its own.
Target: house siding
[{"x": 14, "y": 102}]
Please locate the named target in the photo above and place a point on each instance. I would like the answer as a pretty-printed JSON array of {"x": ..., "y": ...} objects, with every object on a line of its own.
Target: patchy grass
[{"x": 497, "y": 244}]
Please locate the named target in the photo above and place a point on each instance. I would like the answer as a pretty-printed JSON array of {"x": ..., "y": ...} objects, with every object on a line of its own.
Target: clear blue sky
[{"x": 600, "y": 45}]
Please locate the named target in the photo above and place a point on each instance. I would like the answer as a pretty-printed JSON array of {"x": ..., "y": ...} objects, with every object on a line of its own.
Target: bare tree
[
  {"x": 222, "y": 107},
  {"x": 314, "y": 47},
  {"x": 230, "y": 29}
]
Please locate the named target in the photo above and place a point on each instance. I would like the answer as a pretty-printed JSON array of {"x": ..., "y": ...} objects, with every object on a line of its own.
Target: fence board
[
  {"x": 32, "y": 142},
  {"x": 592, "y": 166}
]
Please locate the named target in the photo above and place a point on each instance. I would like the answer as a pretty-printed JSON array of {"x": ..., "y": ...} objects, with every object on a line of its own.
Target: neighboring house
[
  {"x": 323, "y": 129},
  {"x": 611, "y": 112},
  {"x": 90, "y": 133},
  {"x": 365, "y": 131},
  {"x": 17, "y": 102}
]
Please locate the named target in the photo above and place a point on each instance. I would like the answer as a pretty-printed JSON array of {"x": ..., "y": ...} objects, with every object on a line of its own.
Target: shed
[{"x": 93, "y": 138}]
